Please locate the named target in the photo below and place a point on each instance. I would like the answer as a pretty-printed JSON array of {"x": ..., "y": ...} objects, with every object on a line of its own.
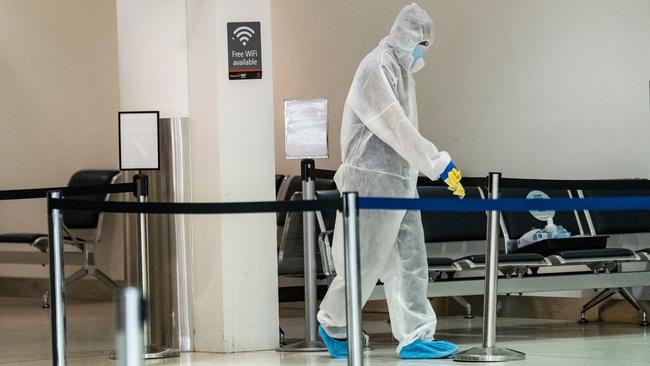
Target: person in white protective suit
[{"x": 382, "y": 153}]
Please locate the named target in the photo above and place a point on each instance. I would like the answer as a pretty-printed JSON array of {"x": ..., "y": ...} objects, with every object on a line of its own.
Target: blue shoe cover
[
  {"x": 421, "y": 349},
  {"x": 336, "y": 347}
]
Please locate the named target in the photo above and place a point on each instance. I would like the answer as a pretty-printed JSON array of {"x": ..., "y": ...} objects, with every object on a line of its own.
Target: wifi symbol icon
[{"x": 244, "y": 34}]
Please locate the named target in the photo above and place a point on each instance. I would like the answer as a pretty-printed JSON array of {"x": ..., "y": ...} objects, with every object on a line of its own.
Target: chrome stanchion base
[
  {"x": 304, "y": 346},
  {"x": 489, "y": 354},
  {"x": 154, "y": 352}
]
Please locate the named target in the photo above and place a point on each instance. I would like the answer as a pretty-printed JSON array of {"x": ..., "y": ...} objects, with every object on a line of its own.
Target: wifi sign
[
  {"x": 244, "y": 50},
  {"x": 244, "y": 34}
]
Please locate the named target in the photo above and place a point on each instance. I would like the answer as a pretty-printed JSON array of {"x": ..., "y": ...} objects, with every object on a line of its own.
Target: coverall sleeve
[{"x": 376, "y": 105}]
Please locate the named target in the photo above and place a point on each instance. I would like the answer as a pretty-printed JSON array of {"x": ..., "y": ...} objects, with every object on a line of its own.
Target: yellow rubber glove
[{"x": 453, "y": 181}]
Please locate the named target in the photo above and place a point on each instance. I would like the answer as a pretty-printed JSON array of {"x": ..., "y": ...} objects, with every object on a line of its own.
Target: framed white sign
[
  {"x": 139, "y": 140},
  {"x": 305, "y": 129}
]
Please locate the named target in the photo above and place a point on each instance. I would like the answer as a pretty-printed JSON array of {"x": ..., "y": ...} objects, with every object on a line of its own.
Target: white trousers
[{"x": 392, "y": 250}]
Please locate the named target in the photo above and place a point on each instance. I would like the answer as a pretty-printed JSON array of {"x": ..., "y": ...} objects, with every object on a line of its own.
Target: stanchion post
[
  {"x": 141, "y": 192},
  {"x": 488, "y": 352},
  {"x": 491, "y": 267},
  {"x": 130, "y": 343},
  {"x": 311, "y": 342},
  {"x": 309, "y": 252},
  {"x": 151, "y": 351},
  {"x": 57, "y": 283},
  {"x": 353, "y": 278}
]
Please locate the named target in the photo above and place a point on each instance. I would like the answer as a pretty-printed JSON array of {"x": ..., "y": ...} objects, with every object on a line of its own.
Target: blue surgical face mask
[{"x": 419, "y": 51}]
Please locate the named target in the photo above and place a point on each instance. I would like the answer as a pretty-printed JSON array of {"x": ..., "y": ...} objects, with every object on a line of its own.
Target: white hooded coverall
[{"x": 382, "y": 154}]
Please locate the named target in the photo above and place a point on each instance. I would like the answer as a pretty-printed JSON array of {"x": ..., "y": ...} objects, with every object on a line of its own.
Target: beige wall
[
  {"x": 58, "y": 101},
  {"x": 531, "y": 88}
]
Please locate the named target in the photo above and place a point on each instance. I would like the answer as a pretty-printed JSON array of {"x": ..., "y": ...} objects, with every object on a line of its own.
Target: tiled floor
[{"x": 25, "y": 337}]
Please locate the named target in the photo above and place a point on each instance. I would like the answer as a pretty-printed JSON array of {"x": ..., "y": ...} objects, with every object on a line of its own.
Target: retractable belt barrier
[
  {"x": 636, "y": 203},
  {"x": 349, "y": 204},
  {"x": 57, "y": 279},
  {"x": 23, "y": 194},
  {"x": 196, "y": 208},
  {"x": 623, "y": 184}
]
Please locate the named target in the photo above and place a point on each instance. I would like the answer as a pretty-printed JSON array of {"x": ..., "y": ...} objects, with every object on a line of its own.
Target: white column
[
  {"x": 232, "y": 160},
  {"x": 173, "y": 57}
]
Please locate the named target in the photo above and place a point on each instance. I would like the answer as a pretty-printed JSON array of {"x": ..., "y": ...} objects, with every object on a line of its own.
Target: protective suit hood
[{"x": 412, "y": 26}]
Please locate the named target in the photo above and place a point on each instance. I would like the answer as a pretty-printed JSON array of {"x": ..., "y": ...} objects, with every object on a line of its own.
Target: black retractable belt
[
  {"x": 21, "y": 194},
  {"x": 100, "y": 189},
  {"x": 196, "y": 208}
]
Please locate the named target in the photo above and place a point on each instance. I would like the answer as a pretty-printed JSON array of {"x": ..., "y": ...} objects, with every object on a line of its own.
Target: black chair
[
  {"x": 82, "y": 229},
  {"x": 471, "y": 226},
  {"x": 613, "y": 223},
  {"x": 326, "y": 221},
  {"x": 294, "y": 184},
  {"x": 584, "y": 249},
  {"x": 438, "y": 227},
  {"x": 291, "y": 248},
  {"x": 279, "y": 179},
  {"x": 290, "y": 241},
  {"x": 441, "y": 227}
]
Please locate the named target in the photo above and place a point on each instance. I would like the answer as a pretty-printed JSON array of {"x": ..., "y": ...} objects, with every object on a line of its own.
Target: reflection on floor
[{"x": 25, "y": 340}]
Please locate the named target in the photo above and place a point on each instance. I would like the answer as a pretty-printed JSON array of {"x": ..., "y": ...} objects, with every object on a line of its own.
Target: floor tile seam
[
  {"x": 587, "y": 358},
  {"x": 594, "y": 338}
]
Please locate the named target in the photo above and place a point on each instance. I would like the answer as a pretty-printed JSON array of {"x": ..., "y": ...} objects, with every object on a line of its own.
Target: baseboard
[
  {"x": 557, "y": 308},
  {"x": 82, "y": 290}
]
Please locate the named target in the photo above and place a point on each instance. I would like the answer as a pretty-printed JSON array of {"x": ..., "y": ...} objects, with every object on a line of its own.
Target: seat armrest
[{"x": 324, "y": 236}]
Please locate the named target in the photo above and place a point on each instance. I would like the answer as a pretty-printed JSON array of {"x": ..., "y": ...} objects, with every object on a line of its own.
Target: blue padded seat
[
  {"x": 508, "y": 258},
  {"x": 596, "y": 253},
  {"x": 439, "y": 261}
]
